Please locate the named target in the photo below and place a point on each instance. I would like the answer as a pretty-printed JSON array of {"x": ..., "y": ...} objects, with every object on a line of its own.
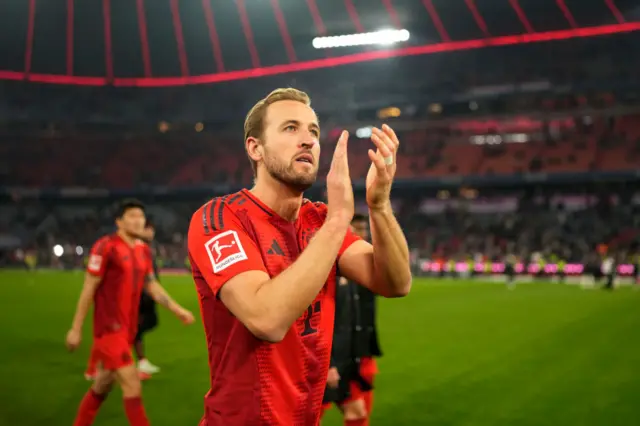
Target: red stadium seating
[{"x": 185, "y": 159}]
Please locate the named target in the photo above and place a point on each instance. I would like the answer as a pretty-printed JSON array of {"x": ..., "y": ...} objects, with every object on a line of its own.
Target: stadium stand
[{"x": 607, "y": 144}]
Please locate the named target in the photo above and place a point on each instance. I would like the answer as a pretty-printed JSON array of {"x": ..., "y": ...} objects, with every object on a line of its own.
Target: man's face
[
  {"x": 132, "y": 222},
  {"x": 290, "y": 144},
  {"x": 360, "y": 228}
]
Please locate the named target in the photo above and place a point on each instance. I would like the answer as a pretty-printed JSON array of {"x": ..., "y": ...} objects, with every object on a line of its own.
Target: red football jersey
[
  {"x": 123, "y": 269},
  {"x": 254, "y": 382}
]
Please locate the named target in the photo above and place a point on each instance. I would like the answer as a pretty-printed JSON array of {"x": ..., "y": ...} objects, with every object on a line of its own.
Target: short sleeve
[
  {"x": 98, "y": 257},
  {"x": 349, "y": 239},
  {"x": 220, "y": 253}
]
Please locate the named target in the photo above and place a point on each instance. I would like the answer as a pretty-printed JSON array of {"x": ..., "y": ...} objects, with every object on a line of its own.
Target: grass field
[{"x": 456, "y": 353}]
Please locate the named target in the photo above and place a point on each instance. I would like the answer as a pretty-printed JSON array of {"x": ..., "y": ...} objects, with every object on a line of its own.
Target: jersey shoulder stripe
[
  {"x": 235, "y": 197},
  {"x": 205, "y": 221},
  {"x": 220, "y": 215},
  {"x": 213, "y": 214}
]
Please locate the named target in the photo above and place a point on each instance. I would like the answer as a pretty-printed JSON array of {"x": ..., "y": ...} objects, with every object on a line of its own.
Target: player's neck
[
  {"x": 279, "y": 198},
  {"x": 131, "y": 241}
]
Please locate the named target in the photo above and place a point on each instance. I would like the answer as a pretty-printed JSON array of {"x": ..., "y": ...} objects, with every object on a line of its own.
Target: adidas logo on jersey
[{"x": 275, "y": 249}]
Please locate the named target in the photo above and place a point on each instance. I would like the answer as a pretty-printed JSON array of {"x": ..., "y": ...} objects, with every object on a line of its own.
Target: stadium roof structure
[{"x": 155, "y": 43}]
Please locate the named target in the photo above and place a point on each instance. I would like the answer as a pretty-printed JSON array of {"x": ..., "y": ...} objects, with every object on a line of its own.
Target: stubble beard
[{"x": 287, "y": 175}]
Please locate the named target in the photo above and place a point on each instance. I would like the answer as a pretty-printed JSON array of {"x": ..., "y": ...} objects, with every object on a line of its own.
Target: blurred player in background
[
  {"x": 355, "y": 344},
  {"x": 119, "y": 267},
  {"x": 148, "y": 315},
  {"x": 610, "y": 270},
  {"x": 264, "y": 263},
  {"x": 593, "y": 271},
  {"x": 147, "y": 318}
]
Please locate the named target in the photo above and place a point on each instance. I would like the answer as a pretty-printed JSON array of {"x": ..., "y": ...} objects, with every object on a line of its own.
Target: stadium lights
[
  {"x": 58, "y": 250},
  {"x": 498, "y": 139},
  {"x": 382, "y": 37},
  {"x": 435, "y": 108},
  {"x": 333, "y": 61},
  {"x": 390, "y": 112}
]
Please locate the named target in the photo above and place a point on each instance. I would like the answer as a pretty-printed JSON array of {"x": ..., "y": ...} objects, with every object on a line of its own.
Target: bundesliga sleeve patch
[
  {"x": 95, "y": 262},
  {"x": 224, "y": 250}
]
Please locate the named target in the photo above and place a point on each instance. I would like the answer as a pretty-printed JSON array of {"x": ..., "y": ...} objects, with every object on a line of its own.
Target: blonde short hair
[{"x": 254, "y": 122}]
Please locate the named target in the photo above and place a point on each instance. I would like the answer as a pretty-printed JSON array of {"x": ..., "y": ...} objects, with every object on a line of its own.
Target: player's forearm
[
  {"x": 84, "y": 302},
  {"x": 82, "y": 309},
  {"x": 283, "y": 299},
  {"x": 160, "y": 295},
  {"x": 392, "y": 267}
]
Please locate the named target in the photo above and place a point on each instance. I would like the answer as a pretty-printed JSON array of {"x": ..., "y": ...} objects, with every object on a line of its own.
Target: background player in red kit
[
  {"x": 147, "y": 318},
  {"x": 264, "y": 263},
  {"x": 119, "y": 266}
]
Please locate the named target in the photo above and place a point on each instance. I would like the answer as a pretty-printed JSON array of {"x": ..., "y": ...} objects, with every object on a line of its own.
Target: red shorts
[
  {"x": 112, "y": 351},
  {"x": 368, "y": 370}
]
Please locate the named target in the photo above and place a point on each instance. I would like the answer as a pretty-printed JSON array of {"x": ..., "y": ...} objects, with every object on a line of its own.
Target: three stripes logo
[{"x": 275, "y": 249}]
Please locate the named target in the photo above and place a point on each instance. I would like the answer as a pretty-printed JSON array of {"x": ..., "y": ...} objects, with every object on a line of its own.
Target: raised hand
[
  {"x": 339, "y": 189},
  {"x": 383, "y": 167}
]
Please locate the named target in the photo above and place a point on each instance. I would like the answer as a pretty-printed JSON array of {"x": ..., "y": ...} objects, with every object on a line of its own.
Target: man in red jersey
[
  {"x": 119, "y": 267},
  {"x": 147, "y": 319},
  {"x": 264, "y": 262}
]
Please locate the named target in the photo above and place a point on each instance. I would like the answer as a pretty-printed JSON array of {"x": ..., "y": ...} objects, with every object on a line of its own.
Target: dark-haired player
[
  {"x": 355, "y": 346},
  {"x": 147, "y": 318},
  {"x": 148, "y": 315},
  {"x": 119, "y": 267},
  {"x": 264, "y": 262}
]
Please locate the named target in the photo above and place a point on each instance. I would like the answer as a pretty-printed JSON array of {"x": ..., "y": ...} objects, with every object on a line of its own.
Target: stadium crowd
[
  {"x": 450, "y": 223},
  {"x": 565, "y": 224}
]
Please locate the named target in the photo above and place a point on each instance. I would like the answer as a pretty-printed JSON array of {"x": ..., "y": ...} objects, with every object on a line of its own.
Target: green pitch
[{"x": 456, "y": 353}]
